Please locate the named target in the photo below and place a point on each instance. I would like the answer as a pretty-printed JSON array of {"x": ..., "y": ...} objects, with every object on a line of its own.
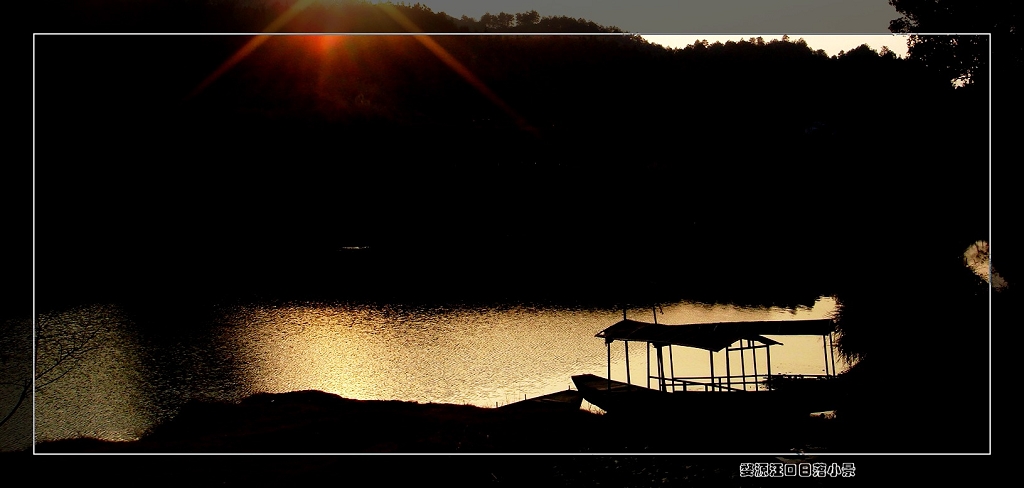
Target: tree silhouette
[
  {"x": 527, "y": 18},
  {"x": 57, "y": 350},
  {"x": 963, "y": 58},
  {"x": 15, "y": 366}
]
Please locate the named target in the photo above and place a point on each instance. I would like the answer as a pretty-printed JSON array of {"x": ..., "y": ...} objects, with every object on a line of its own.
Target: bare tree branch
[{"x": 58, "y": 349}]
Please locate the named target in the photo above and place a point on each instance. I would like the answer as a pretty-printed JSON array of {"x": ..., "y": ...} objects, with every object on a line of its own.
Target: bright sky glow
[{"x": 831, "y": 44}]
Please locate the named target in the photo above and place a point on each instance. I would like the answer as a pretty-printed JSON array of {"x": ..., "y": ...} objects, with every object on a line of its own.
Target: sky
[
  {"x": 699, "y": 16},
  {"x": 715, "y": 20},
  {"x": 831, "y": 44}
]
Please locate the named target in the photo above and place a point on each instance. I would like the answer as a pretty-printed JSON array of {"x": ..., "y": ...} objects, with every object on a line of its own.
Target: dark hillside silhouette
[
  {"x": 382, "y": 139},
  {"x": 516, "y": 167}
]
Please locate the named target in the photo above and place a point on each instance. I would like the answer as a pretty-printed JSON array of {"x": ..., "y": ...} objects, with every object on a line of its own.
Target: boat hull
[
  {"x": 620, "y": 398},
  {"x": 562, "y": 401}
]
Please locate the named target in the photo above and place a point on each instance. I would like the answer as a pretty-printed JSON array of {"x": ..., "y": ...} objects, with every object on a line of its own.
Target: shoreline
[{"x": 317, "y": 422}]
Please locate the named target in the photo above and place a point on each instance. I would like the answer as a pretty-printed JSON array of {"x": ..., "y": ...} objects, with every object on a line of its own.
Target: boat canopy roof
[{"x": 712, "y": 336}]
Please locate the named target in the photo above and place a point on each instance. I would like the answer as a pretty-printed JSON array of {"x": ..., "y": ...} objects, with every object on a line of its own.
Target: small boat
[
  {"x": 746, "y": 392},
  {"x": 561, "y": 401}
]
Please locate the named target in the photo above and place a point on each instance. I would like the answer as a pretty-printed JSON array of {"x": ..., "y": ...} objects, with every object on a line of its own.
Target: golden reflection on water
[
  {"x": 476, "y": 356},
  {"x": 451, "y": 354}
]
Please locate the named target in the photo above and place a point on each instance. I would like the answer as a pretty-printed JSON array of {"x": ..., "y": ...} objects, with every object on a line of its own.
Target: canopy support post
[
  {"x": 753, "y": 355},
  {"x": 824, "y": 347},
  {"x": 654, "y": 311},
  {"x": 649, "y": 364},
  {"x": 832, "y": 351},
  {"x": 628, "y": 382},
  {"x": 711, "y": 357},
  {"x": 608, "y": 345},
  {"x": 661, "y": 370},
  {"x": 728, "y": 368},
  {"x": 672, "y": 367},
  {"x": 743, "y": 365}
]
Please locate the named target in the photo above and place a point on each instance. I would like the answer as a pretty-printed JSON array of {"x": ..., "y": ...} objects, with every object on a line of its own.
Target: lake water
[{"x": 141, "y": 373}]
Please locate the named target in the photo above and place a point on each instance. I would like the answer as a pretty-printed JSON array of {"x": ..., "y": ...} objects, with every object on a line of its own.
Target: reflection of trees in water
[
  {"x": 60, "y": 345},
  {"x": 918, "y": 341},
  {"x": 15, "y": 383}
]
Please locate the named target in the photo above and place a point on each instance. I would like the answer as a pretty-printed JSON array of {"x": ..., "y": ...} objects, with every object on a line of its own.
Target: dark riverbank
[
  {"x": 317, "y": 422},
  {"x": 577, "y": 449}
]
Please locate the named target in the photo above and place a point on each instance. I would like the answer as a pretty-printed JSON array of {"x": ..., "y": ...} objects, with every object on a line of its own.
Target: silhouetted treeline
[
  {"x": 517, "y": 153},
  {"x": 530, "y": 21}
]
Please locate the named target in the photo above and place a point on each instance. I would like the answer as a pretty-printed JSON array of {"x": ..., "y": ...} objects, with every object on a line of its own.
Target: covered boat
[{"x": 738, "y": 391}]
